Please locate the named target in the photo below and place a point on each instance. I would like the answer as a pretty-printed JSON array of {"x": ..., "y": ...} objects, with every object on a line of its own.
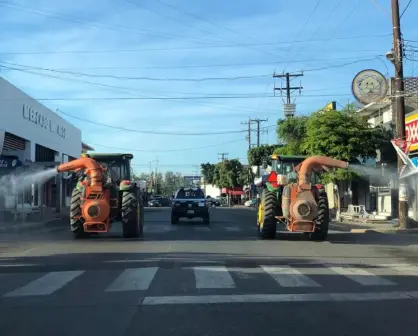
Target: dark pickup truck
[{"x": 189, "y": 203}]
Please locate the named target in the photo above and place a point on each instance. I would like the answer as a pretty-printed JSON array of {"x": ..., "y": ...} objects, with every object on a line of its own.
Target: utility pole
[
  {"x": 258, "y": 121},
  {"x": 249, "y": 131},
  {"x": 223, "y": 156},
  {"x": 289, "y": 108},
  {"x": 150, "y": 175},
  {"x": 399, "y": 99},
  {"x": 156, "y": 175}
]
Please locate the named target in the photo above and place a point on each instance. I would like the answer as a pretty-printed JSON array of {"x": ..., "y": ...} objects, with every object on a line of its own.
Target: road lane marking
[
  {"x": 266, "y": 298},
  {"x": 362, "y": 276},
  {"x": 405, "y": 269},
  {"x": 287, "y": 276},
  {"x": 45, "y": 285},
  {"x": 201, "y": 229},
  {"x": 232, "y": 229},
  {"x": 133, "y": 279},
  {"x": 213, "y": 277},
  {"x": 159, "y": 228}
]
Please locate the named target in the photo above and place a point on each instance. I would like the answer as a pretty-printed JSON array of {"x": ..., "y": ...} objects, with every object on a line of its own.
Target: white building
[{"x": 36, "y": 136}]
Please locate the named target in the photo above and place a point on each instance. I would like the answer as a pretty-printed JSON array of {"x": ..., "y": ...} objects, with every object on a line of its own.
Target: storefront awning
[{"x": 236, "y": 193}]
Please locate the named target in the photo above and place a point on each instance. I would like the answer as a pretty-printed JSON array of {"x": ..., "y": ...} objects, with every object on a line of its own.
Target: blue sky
[{"x": 113, "y": 42}]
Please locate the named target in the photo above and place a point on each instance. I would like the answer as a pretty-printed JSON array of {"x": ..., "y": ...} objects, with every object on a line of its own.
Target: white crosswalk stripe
[
  {"x": 213, "y": 277},
  {"x": 405, "y": 269},
  {"x": 287, "y": 276},
  {"x": 45, "y": 285},
  {"x": 362, "y": 276},
  {"x": 133, "y": 279}
]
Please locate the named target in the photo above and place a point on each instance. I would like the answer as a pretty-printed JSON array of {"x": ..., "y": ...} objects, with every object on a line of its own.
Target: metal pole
[{"x": 399, "y": 98}]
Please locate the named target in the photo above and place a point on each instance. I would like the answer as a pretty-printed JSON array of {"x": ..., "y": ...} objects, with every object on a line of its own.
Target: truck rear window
[{"x": 190, "y": 194}]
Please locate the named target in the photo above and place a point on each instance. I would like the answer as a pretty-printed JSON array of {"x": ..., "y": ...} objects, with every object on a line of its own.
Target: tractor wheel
[
  {"x": 266, "y": 216},
  {"x": 322, "y": 221},
  {"x": 76, "y": 221},
  {"x": 131, "y": 215}
]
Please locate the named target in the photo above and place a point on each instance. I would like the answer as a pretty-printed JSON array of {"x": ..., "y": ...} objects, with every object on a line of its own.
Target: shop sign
[
  {"x": 43, "y": 121},
  {"x": 411, "y": 130},
  {"x": 9, "y": 162}
]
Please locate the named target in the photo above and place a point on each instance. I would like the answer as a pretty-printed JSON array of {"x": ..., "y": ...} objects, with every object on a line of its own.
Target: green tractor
[
  {"x": 119, "y": 198},
  {"x": 270, "y": 189}
]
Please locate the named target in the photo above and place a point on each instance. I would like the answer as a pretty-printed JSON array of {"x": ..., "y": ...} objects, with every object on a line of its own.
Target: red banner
[{"x": 411, "y": 131}]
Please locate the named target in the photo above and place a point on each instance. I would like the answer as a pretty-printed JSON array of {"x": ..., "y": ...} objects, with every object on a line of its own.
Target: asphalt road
[{"x": 192, "y": 279}]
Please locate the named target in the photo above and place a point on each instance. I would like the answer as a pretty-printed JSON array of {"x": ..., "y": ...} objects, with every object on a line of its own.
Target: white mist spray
[{"x": 18, "y": 182}]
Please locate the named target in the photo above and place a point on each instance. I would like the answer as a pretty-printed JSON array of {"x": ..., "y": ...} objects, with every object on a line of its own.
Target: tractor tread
[
  {"x": 129, "y": 215},
  {"x": 76, "y": 221},
  {"x": 323, "y": 218},
  {"x": 268, "y": 231}
]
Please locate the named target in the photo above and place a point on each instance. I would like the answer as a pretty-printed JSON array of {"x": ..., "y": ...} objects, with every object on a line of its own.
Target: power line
[
  {"x": 325, "y": 20},
  {"x": 406, "y": 7},
  {"x": 167, "y": 150},
  {"x": 51, "y": 52},
  {"x": 79, "y": 20},
  {"x": 150, "y": 132},
  {"x": 197, "y": 28},
  {"x": 334, "y": 31},
  {"x": 215, "y": 25},
  {"x": 137, "y": 78},
  {"x": 173, "y": 98},
  {"x": 304, "y": 25},
  {"x": 65, "y": 70}
]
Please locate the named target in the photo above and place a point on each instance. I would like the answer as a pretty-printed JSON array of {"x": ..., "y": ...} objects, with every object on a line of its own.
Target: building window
[
  {"x": 13, "y": 142},
  {"x": 44, "y": 154}
]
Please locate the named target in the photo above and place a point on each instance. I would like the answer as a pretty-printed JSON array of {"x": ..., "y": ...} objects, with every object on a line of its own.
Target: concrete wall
[{"x": 23, "y": 116}]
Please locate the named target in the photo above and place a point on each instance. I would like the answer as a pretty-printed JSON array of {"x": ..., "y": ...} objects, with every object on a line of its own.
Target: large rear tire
[
  {"x": 131, "y": 215},
  {"x": 76, "y": 221},
  {"x": 323, "y": 218},
  {"x": 267, "y": 223}
]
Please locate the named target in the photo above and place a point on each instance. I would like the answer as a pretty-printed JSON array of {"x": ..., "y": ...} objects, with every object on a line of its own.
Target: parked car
[
  {"x": 154, "y": 203},
  {"x": 213, "y": 201},
  {"x": 251, "y": 203}
]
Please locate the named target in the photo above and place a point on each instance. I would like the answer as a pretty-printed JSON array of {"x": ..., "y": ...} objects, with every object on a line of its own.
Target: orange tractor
[
  {"x": 103, "y": 194},
  {"x": 301, "y": 205}
]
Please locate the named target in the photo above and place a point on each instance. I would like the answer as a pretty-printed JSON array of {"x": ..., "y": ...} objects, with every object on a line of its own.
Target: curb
[
  {"x": 30, "y": 225},
  {"x": 392, "y": 230}
]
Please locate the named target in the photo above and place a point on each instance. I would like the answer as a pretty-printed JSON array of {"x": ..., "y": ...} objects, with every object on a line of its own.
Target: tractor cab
[
  {"x": 118, "y": 165},
  {"x": 282, "y": 171}
]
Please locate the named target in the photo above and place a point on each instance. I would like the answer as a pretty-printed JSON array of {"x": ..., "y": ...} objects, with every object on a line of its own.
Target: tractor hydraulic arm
[
  {"x": 307, "y": 166},
  {"x": 93, "y": 169}
]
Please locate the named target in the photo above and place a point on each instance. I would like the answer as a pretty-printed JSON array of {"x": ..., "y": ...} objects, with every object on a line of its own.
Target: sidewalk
[
  {"x": 383, "y": 227},
  {"x": 49, "y": 221}
]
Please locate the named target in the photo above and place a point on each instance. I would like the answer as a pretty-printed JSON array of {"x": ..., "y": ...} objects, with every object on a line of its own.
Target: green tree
[
  {"x": 256, "y": 154},
  {"x": 291, "y": 133},
  {"x": 172, "y": 181},
  {"x": 229, "y": 174},
  {"x": 208, "y": 172},
  {"x": 343, "y": 135}
]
